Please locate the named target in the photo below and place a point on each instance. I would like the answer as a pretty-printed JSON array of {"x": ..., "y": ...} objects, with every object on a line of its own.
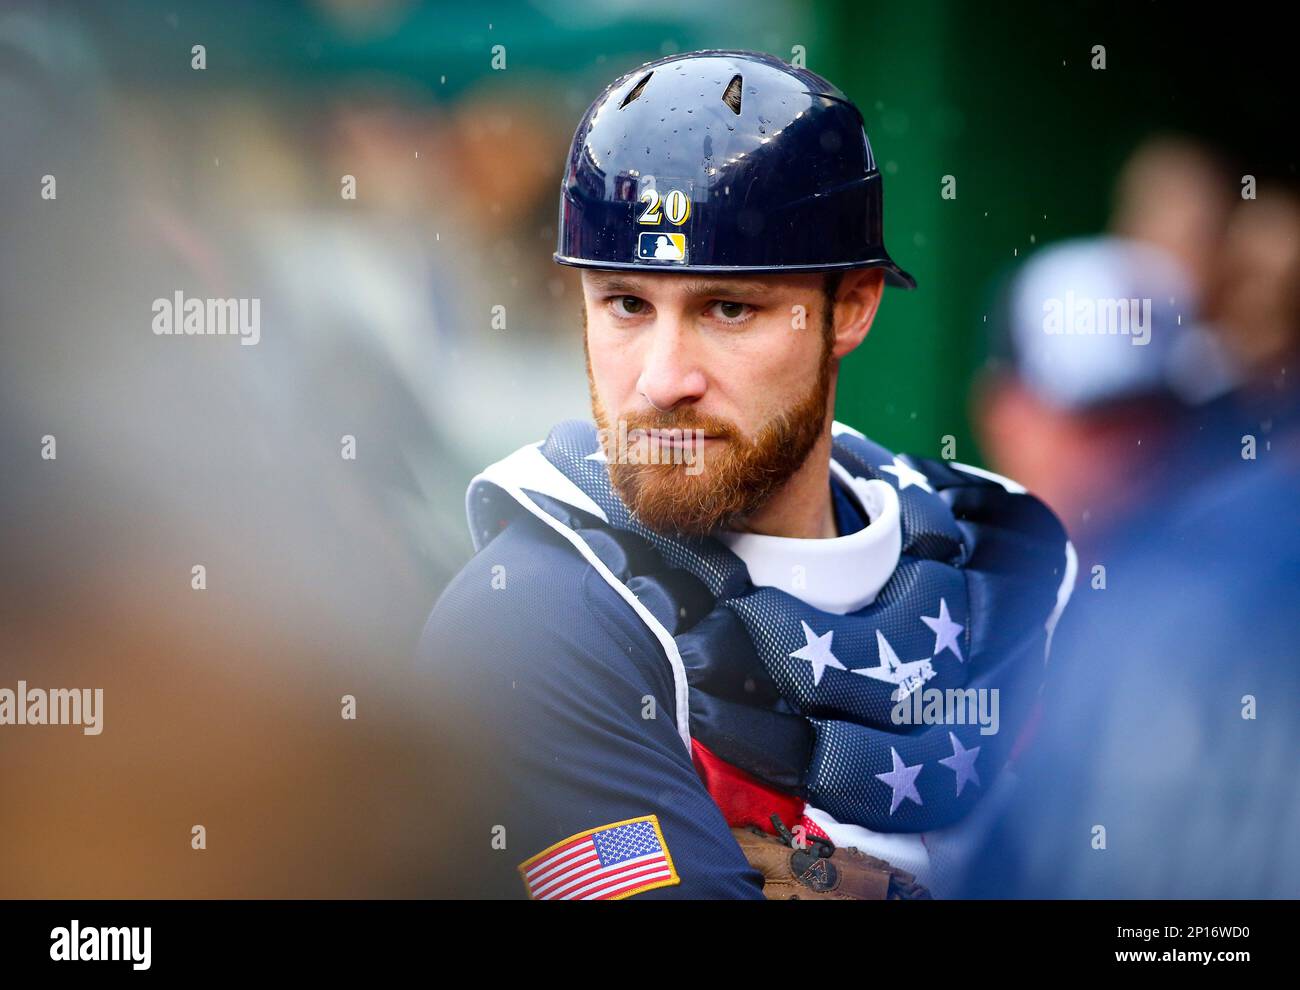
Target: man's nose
[{"x": 670, "y": 369}]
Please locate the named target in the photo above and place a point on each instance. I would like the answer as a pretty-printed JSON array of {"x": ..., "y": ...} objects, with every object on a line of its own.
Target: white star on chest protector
[
  {"x": 946, "y": 632},
  {"x": 906, "y": 475},
  {"x": 902, "y": 781},
  {"x": 962, "y": 763},
  {"x": 817, "y": 651}
]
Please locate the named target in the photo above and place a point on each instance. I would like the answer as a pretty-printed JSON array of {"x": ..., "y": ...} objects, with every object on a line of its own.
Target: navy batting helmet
[{"x": 723, "y": 161}]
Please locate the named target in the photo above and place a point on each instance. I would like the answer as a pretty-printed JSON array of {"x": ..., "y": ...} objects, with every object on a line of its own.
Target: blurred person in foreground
[
  {"x": 259, "y": 734},
  {"x": 709, "y": 629},
  {"x": 1102, "y": 353},
  {"x": 1164, "y": 766}
]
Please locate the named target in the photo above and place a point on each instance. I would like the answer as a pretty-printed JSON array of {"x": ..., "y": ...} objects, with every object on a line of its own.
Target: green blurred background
[{"x": 1003, "y": 97}]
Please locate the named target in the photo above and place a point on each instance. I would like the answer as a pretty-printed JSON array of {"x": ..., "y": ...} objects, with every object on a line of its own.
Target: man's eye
[
  {"x": 731, "y": 312},
  {"x": 628, "y": 305}
]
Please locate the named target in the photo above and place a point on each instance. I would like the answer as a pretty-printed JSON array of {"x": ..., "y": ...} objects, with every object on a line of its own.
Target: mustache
[{"x": 686, "y": 419}]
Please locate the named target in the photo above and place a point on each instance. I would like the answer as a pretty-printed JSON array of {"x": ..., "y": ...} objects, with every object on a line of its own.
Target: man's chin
[{"x": 669, "y": 500}]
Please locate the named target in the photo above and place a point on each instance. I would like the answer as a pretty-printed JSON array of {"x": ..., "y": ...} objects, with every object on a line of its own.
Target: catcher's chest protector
[{"x": 854, "y": 712}]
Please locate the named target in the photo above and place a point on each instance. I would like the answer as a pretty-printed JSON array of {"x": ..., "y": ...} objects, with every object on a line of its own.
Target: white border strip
[
  {"x": 1015, "y": 487},
  {"x": 529, "y": 467}
]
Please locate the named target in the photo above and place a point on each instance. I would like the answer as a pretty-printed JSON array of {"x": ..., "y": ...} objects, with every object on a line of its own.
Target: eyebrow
[{"x": 724, "y": 288}]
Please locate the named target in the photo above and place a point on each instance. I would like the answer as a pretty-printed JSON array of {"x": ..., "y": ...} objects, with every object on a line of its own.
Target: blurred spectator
[
  {"x": 1097, "y": 357},
  {"x": 1168, "y": 732},
  {"x": 1255, "y": 296},
  {"x": 1169, "y": 720},
  {"x": 1175, "y": 194}
]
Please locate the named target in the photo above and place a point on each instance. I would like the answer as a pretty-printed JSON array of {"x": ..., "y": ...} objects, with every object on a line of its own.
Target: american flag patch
[{"x": 602, "y": 864}]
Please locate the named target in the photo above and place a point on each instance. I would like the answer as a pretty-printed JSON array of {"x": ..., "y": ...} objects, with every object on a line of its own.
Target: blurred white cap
[{"x": 1099, "y": 319}]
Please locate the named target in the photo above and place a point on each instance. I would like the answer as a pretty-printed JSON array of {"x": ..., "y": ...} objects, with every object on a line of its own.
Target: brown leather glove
[{"x": 820, "y": 871}]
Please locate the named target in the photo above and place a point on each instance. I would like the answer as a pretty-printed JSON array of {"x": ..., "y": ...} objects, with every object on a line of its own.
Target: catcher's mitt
[{"x": 820, "y": 871}]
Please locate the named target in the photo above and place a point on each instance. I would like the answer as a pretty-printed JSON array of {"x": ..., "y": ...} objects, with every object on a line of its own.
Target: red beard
[{"x": 728, "y": 479}]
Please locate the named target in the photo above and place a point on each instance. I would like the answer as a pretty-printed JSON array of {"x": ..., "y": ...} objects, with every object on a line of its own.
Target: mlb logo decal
[{"x": 661, "y": 246}]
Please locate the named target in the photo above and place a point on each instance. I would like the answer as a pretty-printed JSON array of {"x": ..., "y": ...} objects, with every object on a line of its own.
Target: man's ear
[{"x": 856, "y": 303}]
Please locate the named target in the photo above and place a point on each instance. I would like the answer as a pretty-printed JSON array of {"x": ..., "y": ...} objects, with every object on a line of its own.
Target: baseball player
[{"x": 721, "y": 642}]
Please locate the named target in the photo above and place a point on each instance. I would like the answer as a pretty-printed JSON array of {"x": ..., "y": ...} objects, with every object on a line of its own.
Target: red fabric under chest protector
[{"x": 743, "y": 798}]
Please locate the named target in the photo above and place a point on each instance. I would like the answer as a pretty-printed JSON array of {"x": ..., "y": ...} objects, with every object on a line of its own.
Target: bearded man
[{"x": 699, "y": 629}]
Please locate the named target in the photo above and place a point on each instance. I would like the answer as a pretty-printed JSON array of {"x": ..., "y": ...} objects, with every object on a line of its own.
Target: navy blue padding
[{"x": 575, "y": 708}]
